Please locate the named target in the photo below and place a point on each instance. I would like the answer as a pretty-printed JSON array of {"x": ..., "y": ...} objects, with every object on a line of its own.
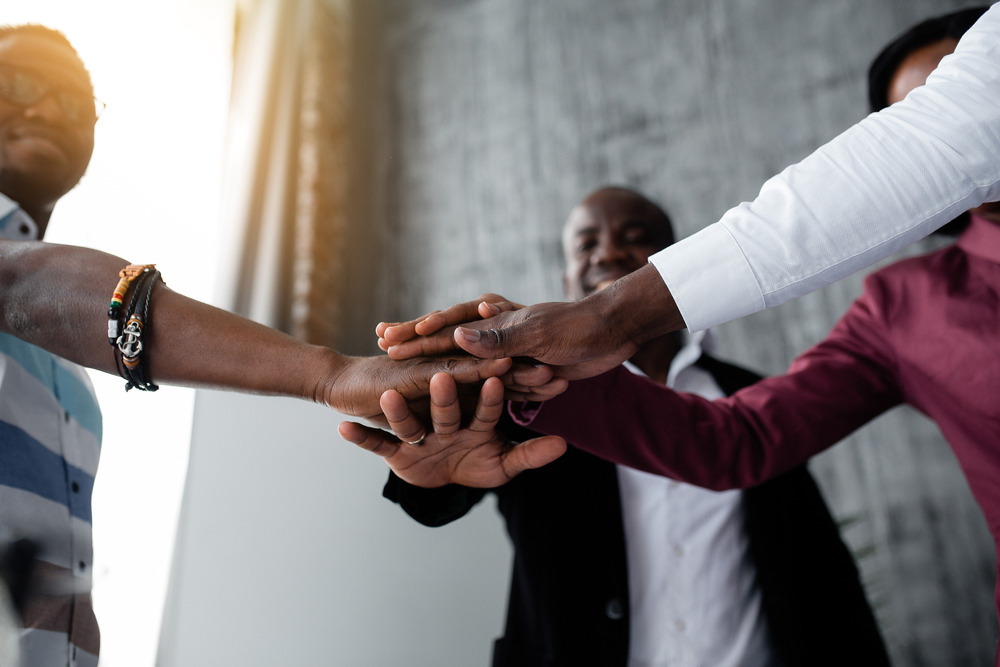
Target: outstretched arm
[
  {"x": 472, "y": 455},
  {"x": 747, "y": 438},
  {"x": 884, "y": 183},
  {"x": 579, "y": 340},
  {"x": 56, "y": 297}
]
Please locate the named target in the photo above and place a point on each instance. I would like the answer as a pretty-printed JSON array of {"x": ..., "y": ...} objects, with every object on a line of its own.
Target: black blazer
[{"x": 569, "y": 600}]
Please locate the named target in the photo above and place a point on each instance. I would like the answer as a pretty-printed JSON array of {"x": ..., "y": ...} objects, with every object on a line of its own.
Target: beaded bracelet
[
  {"x": 139, "y": 371},
  {"x": 126, "y": 276},
  {"x": 130, "y": 342}
]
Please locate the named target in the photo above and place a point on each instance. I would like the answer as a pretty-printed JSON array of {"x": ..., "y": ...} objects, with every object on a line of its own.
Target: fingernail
[
  {"x": 493, "y": 308},
  {"x": 471, "y": 335}
]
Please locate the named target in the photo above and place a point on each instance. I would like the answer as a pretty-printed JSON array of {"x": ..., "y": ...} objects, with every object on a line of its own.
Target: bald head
[{"x": 608, "y": 235}]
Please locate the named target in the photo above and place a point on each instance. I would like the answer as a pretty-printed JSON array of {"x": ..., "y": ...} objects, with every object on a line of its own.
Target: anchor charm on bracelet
[{"x": 130, "y": 342}]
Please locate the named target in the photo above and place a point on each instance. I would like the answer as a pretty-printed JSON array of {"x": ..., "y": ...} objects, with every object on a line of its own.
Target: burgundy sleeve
[{"x": 744, "y": 439}]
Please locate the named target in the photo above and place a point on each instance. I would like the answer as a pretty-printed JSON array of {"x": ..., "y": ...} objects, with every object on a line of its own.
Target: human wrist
[
  {"x": 329, "y": 369},
  {"x": 639, "y": 307}
]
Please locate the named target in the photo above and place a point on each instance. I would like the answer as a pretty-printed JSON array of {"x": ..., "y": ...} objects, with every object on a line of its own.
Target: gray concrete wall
[{"x": 478, "y": 124}]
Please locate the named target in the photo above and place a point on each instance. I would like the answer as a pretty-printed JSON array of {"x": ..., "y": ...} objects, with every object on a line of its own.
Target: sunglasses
[{"x": 25, "y": 87}]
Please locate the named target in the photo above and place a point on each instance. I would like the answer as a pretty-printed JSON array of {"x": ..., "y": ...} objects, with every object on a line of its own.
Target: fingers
[
  {"x": 382, "y": 326},
  {"x": 533, "y": 454},
  {"x": 441, "y": 342},
  {"x": 489, "y": 407},
  {"x": 400, "y": 332},
  {"x": 403, "y": 422},
  {"x": 374, "y": 440},
  {"x": 527, "y": 374},
  {"x": 461, "y": 313},
  {"x": 488, "y": 309},
  {"x": 446, "y": 414},
  {"x": 432, "y": 334},
  {"x": 538, "y": 394},
  {"x": 457, "y": 314},
  {"x": 471, "y": 370}
]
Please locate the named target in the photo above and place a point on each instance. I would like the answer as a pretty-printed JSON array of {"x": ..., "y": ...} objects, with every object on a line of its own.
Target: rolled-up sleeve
[{"x": 886, "y": 182}]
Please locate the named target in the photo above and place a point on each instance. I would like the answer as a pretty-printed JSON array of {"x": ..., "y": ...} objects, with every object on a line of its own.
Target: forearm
[
  {"x": 632, "y": 421},
  {"x": 884, "y": 183},
  {"x": 639, "y": 307},
  {"x": 736, "y": 442},
  {"x": 56, "y": 297}
]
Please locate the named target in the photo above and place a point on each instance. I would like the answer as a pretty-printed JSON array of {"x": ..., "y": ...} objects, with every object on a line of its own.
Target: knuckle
[
  {"x": 492, "y": 336},
  {"x": 408, "y": 434},
  {"x": 446, "y": 424},
  {"x": 375, "y": 445}
]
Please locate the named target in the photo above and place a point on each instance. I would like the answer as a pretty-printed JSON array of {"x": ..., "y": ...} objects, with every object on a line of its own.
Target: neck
[{"x": 655, "y": 356}]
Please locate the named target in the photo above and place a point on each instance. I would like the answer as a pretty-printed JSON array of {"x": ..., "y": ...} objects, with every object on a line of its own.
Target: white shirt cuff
[{"x": 709, "y": 278}]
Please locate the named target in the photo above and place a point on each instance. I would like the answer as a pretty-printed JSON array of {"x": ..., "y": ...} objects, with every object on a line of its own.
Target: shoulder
[
  {"x": 929, "y": 266},
  {"x": 914, "y": 277}
]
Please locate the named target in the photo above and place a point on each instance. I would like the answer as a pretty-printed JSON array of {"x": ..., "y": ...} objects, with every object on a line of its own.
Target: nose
[
  {"x": 46, "y": 108},
  {"x": 607, "y": 252}
]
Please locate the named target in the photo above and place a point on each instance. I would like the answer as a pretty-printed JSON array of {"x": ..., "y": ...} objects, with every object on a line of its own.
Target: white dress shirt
[
  {"x": 693, "y": 594},
  {"x": 886, "y": 182}
]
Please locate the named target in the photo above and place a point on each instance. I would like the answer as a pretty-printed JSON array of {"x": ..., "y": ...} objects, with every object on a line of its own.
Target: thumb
[
  {"x": 533, "y": 453},
  {"x": 493, "y": 343}
]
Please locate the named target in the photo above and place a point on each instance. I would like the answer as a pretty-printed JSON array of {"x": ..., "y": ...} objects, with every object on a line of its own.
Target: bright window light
[{"x": 151, "y": 194}]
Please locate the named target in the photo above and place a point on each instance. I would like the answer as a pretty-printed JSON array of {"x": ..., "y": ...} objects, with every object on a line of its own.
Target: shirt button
[
  {"x": 679, "y": 550},
  {"x": 76, "y": 487},
  {"x": 681, "y": 626},
  {"x": 614, "y": 610},
  {"x": 83, "y": 566},
  {"x": 65, "y": 415}
]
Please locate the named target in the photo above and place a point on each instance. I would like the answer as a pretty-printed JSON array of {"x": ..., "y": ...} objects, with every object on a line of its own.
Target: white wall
[{"x": 288, "y": 554}]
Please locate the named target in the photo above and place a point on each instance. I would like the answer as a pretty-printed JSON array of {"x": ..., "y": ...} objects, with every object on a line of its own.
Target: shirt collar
[
  {"x": 982, "y": 239},
  {"x": 693, "y": 345},
  {"x": 7, "y": 205},
  {"x": 15, "y": 224}
]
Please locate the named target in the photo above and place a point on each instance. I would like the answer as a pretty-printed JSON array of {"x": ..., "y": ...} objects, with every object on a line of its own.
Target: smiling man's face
[
  {"x": 609, "y": 235},
  {"x": 43, "y": 151}
]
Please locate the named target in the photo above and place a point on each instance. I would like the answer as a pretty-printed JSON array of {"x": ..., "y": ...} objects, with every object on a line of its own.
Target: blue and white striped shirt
[{"x": 50, "y": 443}]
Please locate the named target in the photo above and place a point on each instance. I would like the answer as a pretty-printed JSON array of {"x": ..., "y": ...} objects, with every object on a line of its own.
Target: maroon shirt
[{"x": 925, "y": 332}]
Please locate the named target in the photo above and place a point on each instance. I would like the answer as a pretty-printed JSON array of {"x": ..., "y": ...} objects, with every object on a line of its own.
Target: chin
[{"x": 29, "y": 187}]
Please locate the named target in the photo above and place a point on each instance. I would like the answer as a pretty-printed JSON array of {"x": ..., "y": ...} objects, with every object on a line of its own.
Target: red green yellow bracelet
[{"x": 126, "y": 276}]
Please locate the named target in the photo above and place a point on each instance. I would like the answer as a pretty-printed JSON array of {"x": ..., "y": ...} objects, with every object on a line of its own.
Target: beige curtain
[
  {"x": 285, "y": 184},
  {"x": 283, "y": 208}
]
